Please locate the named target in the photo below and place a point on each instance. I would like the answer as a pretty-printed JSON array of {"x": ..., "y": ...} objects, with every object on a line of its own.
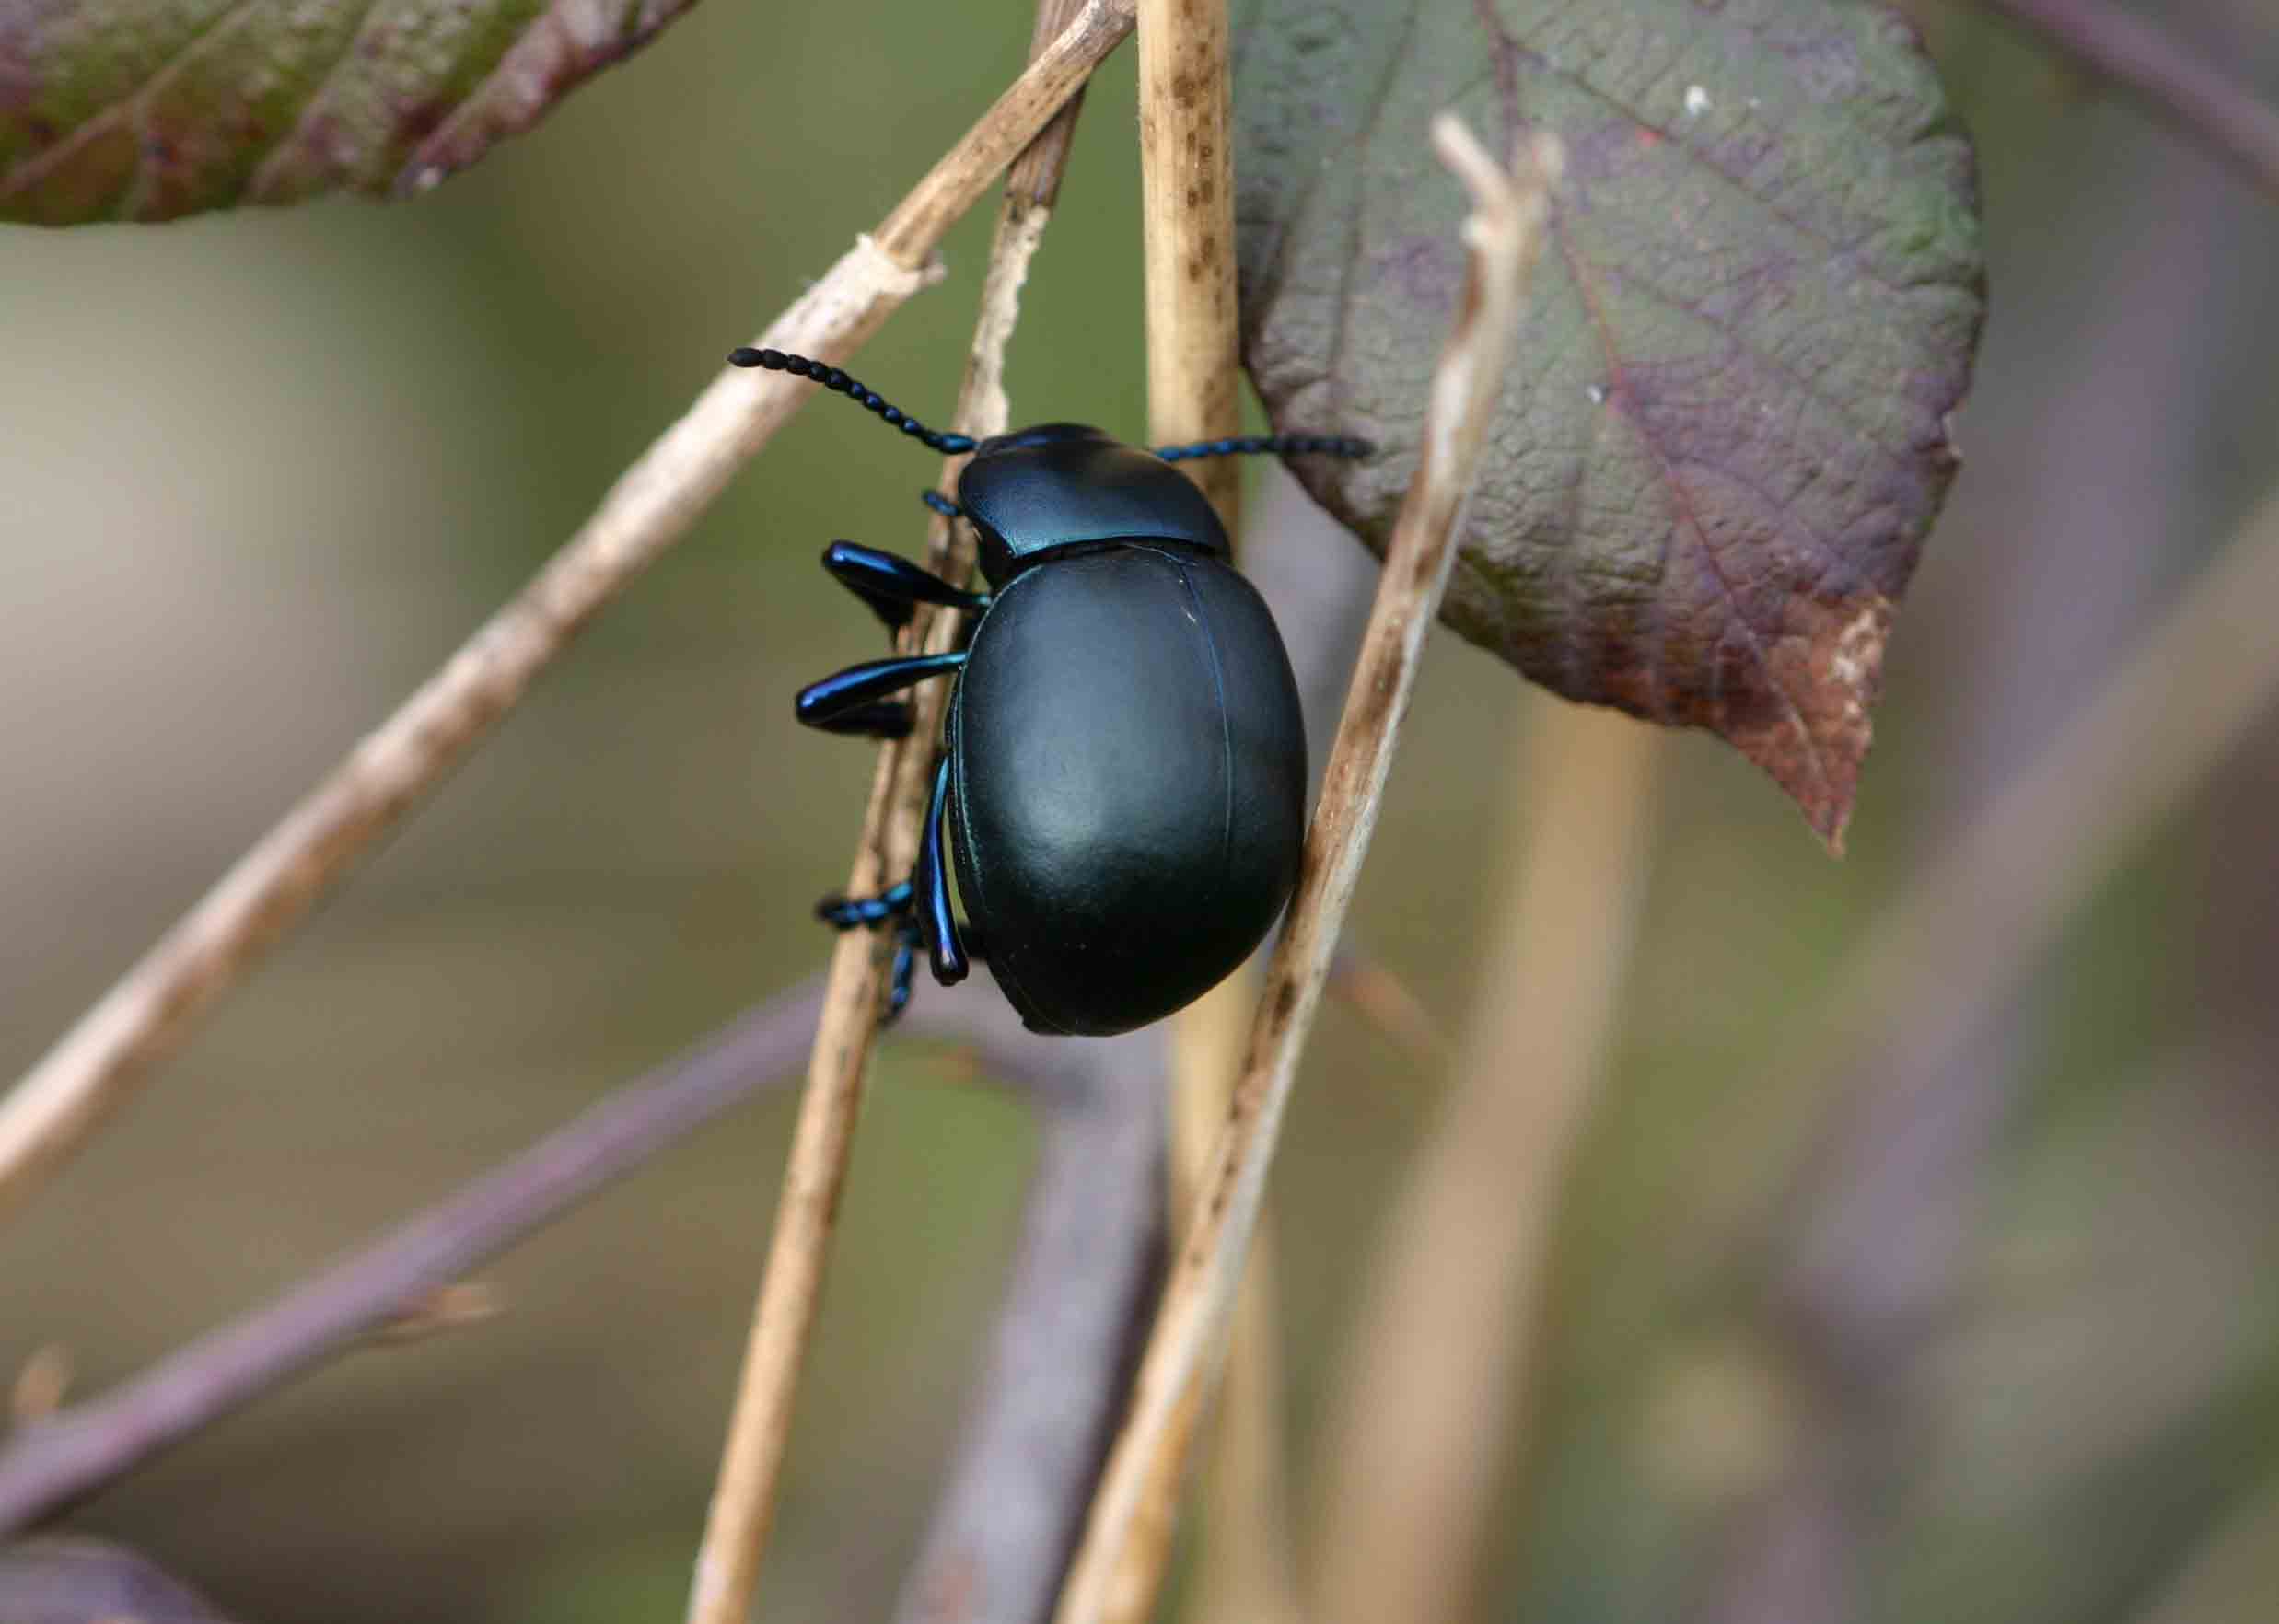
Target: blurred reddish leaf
[
  {"x": 117, "y": 109},
  {"x": 1727, "y": 434}
]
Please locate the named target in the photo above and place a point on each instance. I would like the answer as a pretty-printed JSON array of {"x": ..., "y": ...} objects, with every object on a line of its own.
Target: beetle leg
[
  {"x": 908, "y": 944},
  {"x": 850, "y": 913},
  {"x": 851, "y": 693},
  {"x": 931, "y": 883},
  {"x": 891, "y": 584},
  {"x": 940, "y": 503}
]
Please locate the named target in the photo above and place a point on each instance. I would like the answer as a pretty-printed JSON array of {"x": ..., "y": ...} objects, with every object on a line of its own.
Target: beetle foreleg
[
  {"x": 892, "y": 584},
  {"x": 851, "y": 692},
  {"x": 940, "y": 503}
]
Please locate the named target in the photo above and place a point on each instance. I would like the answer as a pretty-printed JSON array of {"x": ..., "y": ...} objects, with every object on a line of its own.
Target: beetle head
[{"x": 1036, "y": 490}]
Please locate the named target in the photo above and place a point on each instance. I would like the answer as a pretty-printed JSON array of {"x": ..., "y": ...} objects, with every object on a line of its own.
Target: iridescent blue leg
[
  {"x": 931, "y": 883},
  {"x": 892, "y": 586},
  {"x": 845, "y": 701},
  {"x": 891, "y": 907},
  {"x": 906, "y": 949},
  {"x": 940, "y": 503},
  {"x": 850, "y": 913}
]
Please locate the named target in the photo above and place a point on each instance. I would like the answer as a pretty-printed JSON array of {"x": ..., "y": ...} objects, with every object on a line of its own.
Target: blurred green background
[{"x": 264, "y": 471}]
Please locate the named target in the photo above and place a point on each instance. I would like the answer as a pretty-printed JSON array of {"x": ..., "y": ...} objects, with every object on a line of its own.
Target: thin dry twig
[
  {"x": 743, "y": 1503},
  {"x": 1438, "y": 1362},
  {"x": 95, "y": 1066},
  {"x": 1502, "y": 234},
  {"x": 2142, "y": 58}
]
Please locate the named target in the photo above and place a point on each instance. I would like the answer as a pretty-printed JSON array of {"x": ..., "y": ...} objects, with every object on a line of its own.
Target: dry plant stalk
[
  {"x": 744, "y": 1498},
  {"x": 93, "y": 1067},
  {"x": 1439, "y": 1359},
  {"x": 1502, "y": 234}
]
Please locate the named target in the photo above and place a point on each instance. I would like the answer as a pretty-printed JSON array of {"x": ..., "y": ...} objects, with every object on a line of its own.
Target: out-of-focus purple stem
[{"x": 2142, "y": 58}]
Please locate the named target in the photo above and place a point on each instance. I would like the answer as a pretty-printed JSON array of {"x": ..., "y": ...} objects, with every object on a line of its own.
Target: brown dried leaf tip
[{"x": 1810, "y": 726}]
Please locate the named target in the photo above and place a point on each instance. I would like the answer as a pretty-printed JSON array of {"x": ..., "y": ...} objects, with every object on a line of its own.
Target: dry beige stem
[
  {"x": 95, "y": 1065},
  {"x": 1438, "y": 1363},
  {"x": 743, "y": 1504},
  {"x": 1502, "y": 233}
]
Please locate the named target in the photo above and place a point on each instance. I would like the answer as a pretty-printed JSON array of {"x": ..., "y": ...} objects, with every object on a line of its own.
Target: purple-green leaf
[
  {"x": 147, "y": 110},
  {"x": 1726, "y": 432}
]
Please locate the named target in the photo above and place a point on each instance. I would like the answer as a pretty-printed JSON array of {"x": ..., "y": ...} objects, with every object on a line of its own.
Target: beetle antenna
[
  {"x": 830, "y": 377},
  {"x": 1271, "y": 445}
]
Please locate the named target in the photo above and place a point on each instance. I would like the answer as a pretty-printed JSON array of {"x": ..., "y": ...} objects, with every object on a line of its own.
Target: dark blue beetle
[{"x": 1125, "y": 777}]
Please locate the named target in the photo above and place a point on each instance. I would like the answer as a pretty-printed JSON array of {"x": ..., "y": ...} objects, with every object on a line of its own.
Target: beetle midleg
[
  {"x": 845, "y": 699},
  {"x": 891, "y": 584}
]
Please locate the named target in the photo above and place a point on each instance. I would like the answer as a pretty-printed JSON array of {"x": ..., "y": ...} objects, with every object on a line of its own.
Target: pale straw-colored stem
[{"x": 1503, "y": 234}]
